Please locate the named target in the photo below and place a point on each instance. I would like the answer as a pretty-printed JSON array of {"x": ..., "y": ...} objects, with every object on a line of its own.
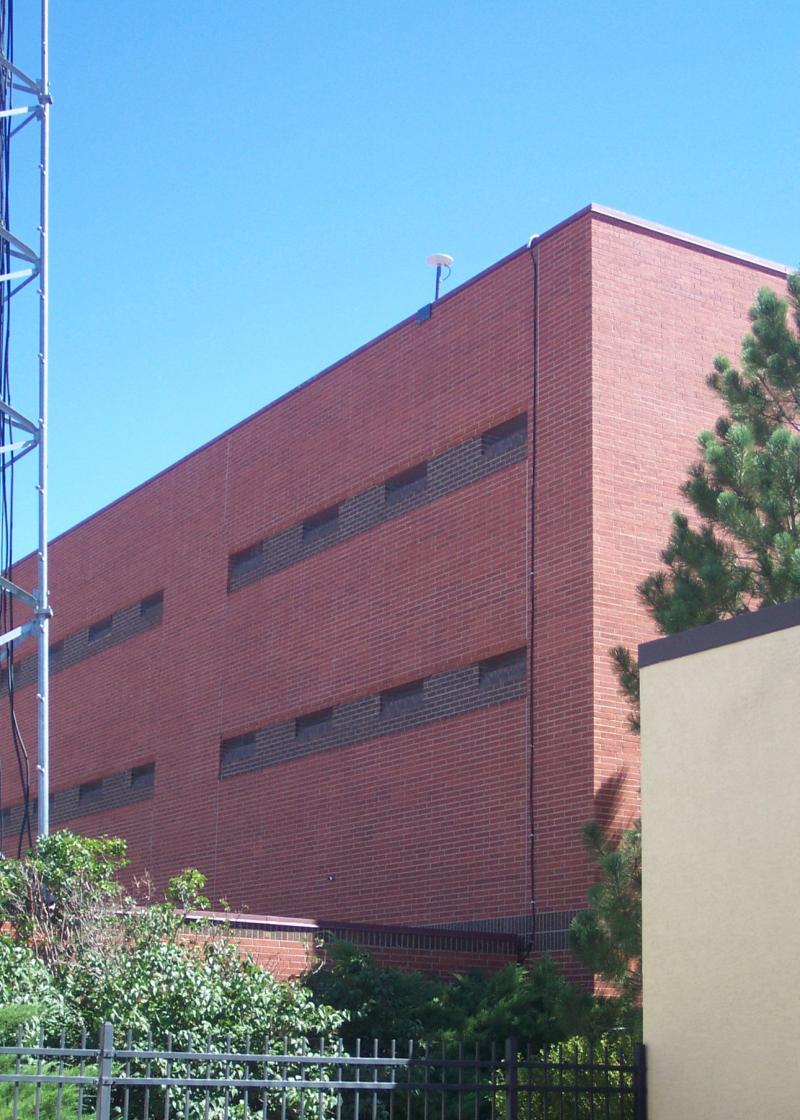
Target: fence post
[
  {"x": 511, "y": 1079},
  {"x": 104, "y": 1070},
  {"x": 640, "y": 1080}
]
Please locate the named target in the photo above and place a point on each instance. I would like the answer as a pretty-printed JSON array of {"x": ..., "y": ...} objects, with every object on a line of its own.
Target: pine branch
[
  {"x": 627, "y": 669},
  {"x": 741, "y": 549}
]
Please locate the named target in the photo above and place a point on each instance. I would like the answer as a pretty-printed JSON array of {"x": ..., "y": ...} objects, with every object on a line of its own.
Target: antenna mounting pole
[
  {"x": 43, "y": 611},
  {"x": 440, "y": 261},
  {"x": 21, "y": 433}
]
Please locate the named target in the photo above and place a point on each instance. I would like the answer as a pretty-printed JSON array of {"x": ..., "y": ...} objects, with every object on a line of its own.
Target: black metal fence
[{"x": 292, "y": 1081}]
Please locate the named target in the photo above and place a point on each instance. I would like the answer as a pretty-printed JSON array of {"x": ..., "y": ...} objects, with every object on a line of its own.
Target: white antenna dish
[{"x": 440, "y": 261}]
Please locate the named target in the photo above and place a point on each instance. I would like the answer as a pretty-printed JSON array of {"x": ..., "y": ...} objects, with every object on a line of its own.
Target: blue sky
[{"x": 244, "y": 192}]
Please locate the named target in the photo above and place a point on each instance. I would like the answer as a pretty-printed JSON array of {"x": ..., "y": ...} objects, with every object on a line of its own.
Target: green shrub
[
  {"x": 532, "y": 1003},
  {"x": 29, "y": 997},
  {"x": 85, "y": 953},
  {"x": 575, "y": 1091},
  {"x": 81, "y": 953}
]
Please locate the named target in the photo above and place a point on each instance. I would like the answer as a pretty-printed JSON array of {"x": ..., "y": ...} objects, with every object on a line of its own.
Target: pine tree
[
  {"x": 607, "y": 937},
  {"x": 740, "y": 549}
]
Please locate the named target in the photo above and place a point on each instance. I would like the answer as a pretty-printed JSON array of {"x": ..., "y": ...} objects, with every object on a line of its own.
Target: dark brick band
[
  {"x": 466, "y": 689},
  {"x": 109, "y": 631},
  {"x": 423, "y": 483},
  {"x": 517, "y": 925},
  {"x": 442, "y": 938},
  {"x": 551, "y": 930},
  {"x": 112, "y": 792}
]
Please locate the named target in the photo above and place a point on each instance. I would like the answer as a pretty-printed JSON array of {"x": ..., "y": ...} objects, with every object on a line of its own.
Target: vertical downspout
[{"x": 533, "y": 246}]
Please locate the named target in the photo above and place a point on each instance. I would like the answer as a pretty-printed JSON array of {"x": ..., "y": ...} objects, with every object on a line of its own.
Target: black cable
[{"x": 534, "y": 255}]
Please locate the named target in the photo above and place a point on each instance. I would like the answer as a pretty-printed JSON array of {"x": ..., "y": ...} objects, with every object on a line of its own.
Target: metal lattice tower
[{"x": 20, "y": 265}]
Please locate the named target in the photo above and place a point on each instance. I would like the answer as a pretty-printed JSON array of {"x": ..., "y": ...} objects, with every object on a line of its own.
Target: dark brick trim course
[
  {"x": 426, "y": 481},
  {"x": 441, "y": 940},
  {"x": 445, "y": 937},
  {"x": 98, "y": 636},
  {"x": 551, "y": 930},
  {"x": 443, "y": 694},
  {"x": 99, "y": 795},
  {"x": 517, "y": 925}
]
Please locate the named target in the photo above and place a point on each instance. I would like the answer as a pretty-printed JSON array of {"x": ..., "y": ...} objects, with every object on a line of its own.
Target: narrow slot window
[
  {"x": 56, "y": 650},
  {"x": 100, "y": 629},
  {"x": 321, "y": 525},
  {"x": 402, "y": 700},
  {"x": 505, "y": 437},
  {"x": 151, "y": 607},
  {"x": 238, "y": 749},
  {"x": 90, "y": 792},
  {"x": 406, "y": 483},
  {"x": 143, "y": 777},
  {"x": 314, "y": 725},
  {"x": 505, "y": 669},
  {"x": 244, "y": 561}
]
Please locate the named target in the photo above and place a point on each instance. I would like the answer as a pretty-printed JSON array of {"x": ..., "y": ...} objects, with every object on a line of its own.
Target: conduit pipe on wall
[{"x": 533, "y": 248}]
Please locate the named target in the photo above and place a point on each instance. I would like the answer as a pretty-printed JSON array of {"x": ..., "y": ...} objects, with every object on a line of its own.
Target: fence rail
[{"x": 292, "y": 1081}]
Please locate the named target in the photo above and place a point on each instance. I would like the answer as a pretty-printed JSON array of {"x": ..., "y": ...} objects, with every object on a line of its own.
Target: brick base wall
[{"x": 288, "y": 948}]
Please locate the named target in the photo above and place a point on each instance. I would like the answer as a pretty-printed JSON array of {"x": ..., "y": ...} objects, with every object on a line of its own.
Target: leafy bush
[
  {"x": 377, "y": 1002},
  {"x": 29, "y": 991},
  {"x": 85, "y": 953},
  {"x": 80, "y": 953},
  {"x": 164, "y": 978},
  {"x": 569, "y": 1086},
  {"x": 534, "y": 1003}
]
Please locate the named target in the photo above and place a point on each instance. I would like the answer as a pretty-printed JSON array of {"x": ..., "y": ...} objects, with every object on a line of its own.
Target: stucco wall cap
[{"x": 737, "y": 629}]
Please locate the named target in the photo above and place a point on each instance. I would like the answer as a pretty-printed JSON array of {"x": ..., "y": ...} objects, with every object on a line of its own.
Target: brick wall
[
  {"x": 562, "y": 583},
  {"x": 338, "y": 571},
  {"x": 289, "y": 948},
  {"x": 418, "y": 816},
  {"x": 662, "y": 309}
]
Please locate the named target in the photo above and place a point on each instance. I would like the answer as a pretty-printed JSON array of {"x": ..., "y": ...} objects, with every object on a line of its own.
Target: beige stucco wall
[{"x": 721, "y": 869}]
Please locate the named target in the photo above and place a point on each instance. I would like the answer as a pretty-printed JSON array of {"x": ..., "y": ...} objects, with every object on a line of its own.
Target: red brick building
[{"x": 351, "y": 657}]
